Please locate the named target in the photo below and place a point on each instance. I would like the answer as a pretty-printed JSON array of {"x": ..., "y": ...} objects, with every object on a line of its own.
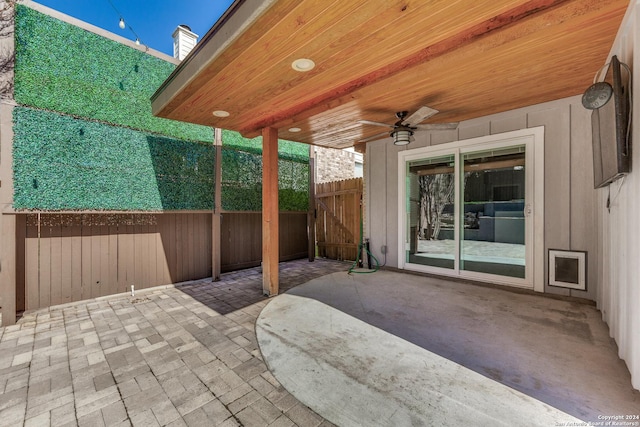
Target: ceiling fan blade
[
  {"x": 438, "y": 126},
  {"x": 369, "y": 122},
  {"x": 374, "y": 137},
  {"x": 421, "y": 114}
]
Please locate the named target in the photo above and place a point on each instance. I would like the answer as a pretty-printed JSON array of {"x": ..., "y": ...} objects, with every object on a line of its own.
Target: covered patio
[
  {"x": 467, "y": 82},
  {"x": 336, "y": 74}
]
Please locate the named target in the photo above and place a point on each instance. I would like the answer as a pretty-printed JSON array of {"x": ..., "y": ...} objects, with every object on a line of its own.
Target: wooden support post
[
  {"x": 8, "y": 256},
  {"x": 216, "y": 218},
  {"x": 270, "y": 248},
  {"x": 311, "y": 217}
]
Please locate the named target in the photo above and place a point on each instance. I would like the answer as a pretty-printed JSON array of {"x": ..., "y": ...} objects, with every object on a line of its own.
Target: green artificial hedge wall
[
  {"x": 242, "y": 182},
  {"x": 105, "y": 150},
  {"x": 293, "y": 185},
  {"x": 242, "y": 174},
  {"x": 65, "y": 163},
  {"x": 61, "y": 67}
]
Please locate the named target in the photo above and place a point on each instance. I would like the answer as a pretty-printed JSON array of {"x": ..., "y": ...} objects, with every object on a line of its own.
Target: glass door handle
[{"x": 527, "y": 209}]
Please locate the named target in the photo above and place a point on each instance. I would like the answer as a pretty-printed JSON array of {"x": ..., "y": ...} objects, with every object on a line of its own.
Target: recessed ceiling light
[
  {"x": 221, "y": 113},
  {"x": 303, "y": 64},
  {"x": 294, "y": 129}
]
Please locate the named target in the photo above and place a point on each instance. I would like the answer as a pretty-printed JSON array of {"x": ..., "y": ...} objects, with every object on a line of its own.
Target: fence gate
[{"x": 338, "y": 214}]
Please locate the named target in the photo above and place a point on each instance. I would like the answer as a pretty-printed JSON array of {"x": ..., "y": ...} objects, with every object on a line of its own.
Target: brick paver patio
[{"x": 175, "y": 356}]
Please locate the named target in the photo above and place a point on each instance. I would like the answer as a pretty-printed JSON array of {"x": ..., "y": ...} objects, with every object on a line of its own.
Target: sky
[{"x": 152, "y": 20}]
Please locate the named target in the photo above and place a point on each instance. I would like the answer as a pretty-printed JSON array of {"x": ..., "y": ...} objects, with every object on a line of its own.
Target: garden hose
[{"x": 352, "y": 269}]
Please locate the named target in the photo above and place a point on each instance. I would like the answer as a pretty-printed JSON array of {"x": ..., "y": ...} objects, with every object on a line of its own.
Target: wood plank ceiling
[{"x": 465, "y": 58}]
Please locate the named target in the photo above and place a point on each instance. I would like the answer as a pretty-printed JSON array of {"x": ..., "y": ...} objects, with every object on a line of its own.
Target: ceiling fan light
[{"x": 402, "y": 136}]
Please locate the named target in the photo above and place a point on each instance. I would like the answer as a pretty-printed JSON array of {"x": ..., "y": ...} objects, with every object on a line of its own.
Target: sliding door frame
[{"x": 533, "y": 139}]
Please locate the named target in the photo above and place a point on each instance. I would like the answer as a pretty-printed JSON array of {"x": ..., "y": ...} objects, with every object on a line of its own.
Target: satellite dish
[{"x": 597, "y": 95}]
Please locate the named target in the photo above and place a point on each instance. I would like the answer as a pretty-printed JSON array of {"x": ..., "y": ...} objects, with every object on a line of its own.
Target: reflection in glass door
[
  {"x": 431, "y": 222},
  {"x": 492, "y": 215},
  {"x": 469, "y": 208}
]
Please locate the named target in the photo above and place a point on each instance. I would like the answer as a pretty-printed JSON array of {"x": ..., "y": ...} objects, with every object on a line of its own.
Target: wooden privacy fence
[
  {"x": 338, "y": 216},
  {"x": 241, "y": 238},
  {"x": 75, "y": 257},
  {"x": 71, "y": 257}
]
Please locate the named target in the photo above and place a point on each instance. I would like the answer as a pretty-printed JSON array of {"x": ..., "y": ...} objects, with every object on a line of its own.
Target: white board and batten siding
[
  {"x": 618, "y": 227},
  {"x": 570, "y": 201}
]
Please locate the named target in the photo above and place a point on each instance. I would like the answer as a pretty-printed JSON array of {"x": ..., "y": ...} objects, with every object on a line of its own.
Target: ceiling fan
[{"x": 402, "y": 130}]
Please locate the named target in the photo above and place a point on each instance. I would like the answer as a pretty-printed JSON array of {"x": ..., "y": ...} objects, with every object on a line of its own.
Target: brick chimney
[{"x": 183, "y": 41}]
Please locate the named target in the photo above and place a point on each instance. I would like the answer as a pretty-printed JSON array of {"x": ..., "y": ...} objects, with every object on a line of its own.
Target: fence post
[
  {"x": 311, "y": 217},
  {"x": 216, "y": 218}
]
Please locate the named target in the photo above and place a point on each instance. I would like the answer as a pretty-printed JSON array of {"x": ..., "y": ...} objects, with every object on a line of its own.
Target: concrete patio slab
[{"x": 398, "y": 349}]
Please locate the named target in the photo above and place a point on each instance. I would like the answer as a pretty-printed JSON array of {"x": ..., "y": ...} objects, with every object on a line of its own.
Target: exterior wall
[
  {"x": 9, "y": 274},
  {"x": 334, "y": 165},
  {"x": 570, "y": 201},
  {"x": 618, "y": 228}
]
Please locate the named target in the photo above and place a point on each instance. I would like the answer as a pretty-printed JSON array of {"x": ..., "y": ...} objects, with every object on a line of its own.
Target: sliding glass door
[
  {"x": 430, "y": 205},
  {"x": 468, "y": 210},
  {"x": 493, "y": 198}
]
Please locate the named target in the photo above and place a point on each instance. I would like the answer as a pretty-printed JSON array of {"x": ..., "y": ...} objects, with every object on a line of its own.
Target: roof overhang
[{"x": 373, "y": 58}]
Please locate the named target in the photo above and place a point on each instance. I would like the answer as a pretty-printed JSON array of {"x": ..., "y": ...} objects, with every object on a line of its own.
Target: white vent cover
[{"x": 567, "y": 269}]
